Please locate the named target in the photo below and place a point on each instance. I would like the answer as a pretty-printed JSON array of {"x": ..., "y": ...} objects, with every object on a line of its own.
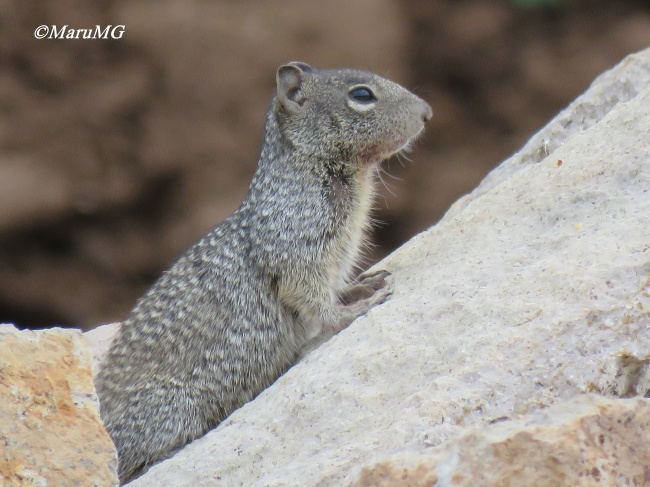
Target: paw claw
[
  {"x": 365, "y": 288},
  {"x": 376, "y": 280},
  {"x": 380, "y": 274},
  {"x": 380, "y": 297}
]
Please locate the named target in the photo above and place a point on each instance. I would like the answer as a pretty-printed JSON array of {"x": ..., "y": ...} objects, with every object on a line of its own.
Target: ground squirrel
[{"x": 234, "y": 312}]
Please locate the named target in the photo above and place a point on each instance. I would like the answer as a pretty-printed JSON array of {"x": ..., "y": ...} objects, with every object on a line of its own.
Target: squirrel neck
[
  {"x": 309, "y": 196},
  {"x": 298, "y": 166}
]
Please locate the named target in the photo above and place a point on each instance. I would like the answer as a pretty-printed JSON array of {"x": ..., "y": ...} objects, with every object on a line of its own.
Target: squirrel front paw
[
  {"x": 367, "y": 286},
  {"x": 357, "y": 299}
]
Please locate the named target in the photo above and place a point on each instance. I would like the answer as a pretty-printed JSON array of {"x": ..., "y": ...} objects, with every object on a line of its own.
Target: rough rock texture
[
  {"x": 586, "y": 441},
  {"x": 536, "y": 289},
  {"x": 620, "y": 84},
  {"x": 495, "y": 72},
  {"x": 99, "y": 340},
  {"x": 50, "y": 431}
]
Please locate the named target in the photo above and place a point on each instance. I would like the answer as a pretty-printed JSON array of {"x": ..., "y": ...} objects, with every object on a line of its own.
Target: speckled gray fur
[{"x": 234, "y": 312}]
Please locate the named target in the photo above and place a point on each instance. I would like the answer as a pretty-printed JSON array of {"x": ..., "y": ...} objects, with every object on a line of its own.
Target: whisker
[
  {"x": 405, "y": 155},
  {"x": 392, "y": 176},
  {"x": 384, "y": 183}
]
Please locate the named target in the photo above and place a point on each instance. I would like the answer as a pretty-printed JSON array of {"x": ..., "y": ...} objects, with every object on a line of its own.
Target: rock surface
[
  {"x": 534, "y": 289},
  {"x": 50, "y": 429},
  {"x": 617, "y": 85},
  {"x": 99, "y": 339},
  {"x": 586, "y": 441}
]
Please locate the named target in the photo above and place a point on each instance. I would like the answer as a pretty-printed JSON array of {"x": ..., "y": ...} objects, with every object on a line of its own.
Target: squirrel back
[{"x": 235, "y": 311}]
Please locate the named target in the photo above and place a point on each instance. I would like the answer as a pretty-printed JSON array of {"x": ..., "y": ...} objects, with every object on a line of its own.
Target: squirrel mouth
[
  {"x": 379, "y": 152},
  {"x": 403, "y": 146},
  {"x": 406, "y": 145}
]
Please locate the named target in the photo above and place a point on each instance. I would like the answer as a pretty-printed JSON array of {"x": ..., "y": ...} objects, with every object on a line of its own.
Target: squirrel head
[{"x": 346, "y": 114}]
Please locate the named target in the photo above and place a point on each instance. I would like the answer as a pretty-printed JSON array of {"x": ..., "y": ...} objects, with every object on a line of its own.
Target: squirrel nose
[{"x": 427, "y": 113}]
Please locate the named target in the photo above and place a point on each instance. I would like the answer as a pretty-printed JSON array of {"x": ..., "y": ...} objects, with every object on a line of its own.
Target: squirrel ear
[
  {"x": 304, "y": 67},
  {"x": 290, "y": 78}
]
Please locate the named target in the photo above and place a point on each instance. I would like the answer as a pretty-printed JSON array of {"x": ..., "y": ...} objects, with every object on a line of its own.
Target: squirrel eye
[{"x": 362, "y": 94}]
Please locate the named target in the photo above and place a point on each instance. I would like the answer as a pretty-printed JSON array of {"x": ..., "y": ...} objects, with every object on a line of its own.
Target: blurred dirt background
[{"x": 116, "y": 155}]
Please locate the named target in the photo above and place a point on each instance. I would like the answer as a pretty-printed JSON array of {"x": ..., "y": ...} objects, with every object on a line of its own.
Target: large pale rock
[
  {"x": 50, "y": 431},
  {"x": 99, "y": 340},
  {"x": 587, "y": 441},
  {"x": 617, "y": 85},
  {"x": 534, "y": 290}
]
